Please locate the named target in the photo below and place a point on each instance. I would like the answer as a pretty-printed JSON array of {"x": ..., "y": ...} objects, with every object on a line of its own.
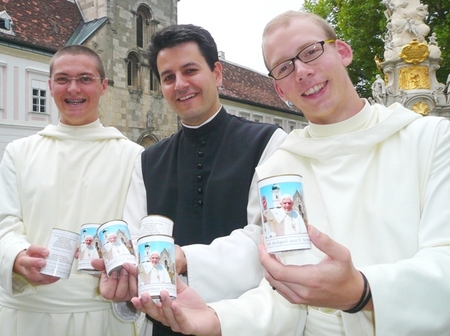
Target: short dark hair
[
  {"x": 79, "y": 50},
  {"x": 174, "y": 35}
]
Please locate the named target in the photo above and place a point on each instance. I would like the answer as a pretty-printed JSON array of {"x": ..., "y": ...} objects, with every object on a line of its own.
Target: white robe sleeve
[
  {"x": 12, "y": 231},
  {"x": 230, "y": 265},
  {"x": 411, "y": 296},
  {"x": 136, "y": 202},
  {"x": 253, "y": 314}
]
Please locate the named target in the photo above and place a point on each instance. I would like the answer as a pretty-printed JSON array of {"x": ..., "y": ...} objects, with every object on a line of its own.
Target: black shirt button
[
  {"x": 203, "y": 142},
  {"x": 200, "y": 202},
  {"x": 199, "y": 178},
  {"x": 200, "y": 153},
  {"x": 199, "y": 166},
  {"x": 200, "y": 190}
]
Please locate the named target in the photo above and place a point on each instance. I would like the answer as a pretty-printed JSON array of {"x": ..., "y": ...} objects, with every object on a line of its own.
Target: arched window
[
  {"x": 140, "y": 31},
  {"x": 143, "y": 18},
  {"x": 133, "y": 70},
  {"x": 154, "y": 82}
]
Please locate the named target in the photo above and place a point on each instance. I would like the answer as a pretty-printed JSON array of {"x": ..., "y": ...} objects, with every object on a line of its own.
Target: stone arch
[
  {"x": 147, "y": 139},
  {"x": 144, "y": 17},
  {"x": 133, "y": 62},
  {"x": 422, "y": 104}
]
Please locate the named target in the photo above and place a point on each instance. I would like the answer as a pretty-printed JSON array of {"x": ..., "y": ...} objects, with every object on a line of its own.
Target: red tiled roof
[
  {"x": 43, "y": 24},
  {"x": 250, "y": 87}
]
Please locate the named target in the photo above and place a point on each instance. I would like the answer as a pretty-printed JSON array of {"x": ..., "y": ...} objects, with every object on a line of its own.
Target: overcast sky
[{"x": 236, "y": 25}]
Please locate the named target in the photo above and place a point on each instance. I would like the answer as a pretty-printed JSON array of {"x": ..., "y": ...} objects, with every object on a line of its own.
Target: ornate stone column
[{"x": 410, "y": 61}]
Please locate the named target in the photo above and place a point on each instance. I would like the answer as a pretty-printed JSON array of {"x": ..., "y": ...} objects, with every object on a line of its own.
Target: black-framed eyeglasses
[{"x": 306, "y": 55}]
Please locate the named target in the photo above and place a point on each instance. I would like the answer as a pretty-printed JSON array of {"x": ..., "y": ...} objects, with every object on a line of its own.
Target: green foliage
[
  {"x": 327, "y": 9},
  {"x": 363, "y": 25}
]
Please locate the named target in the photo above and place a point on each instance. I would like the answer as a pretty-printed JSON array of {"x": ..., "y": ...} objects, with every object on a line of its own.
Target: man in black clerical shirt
[{"x": 202, "y": 177}]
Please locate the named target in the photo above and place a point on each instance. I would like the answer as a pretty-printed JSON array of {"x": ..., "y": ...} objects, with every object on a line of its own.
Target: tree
[{"x": 363, "y": 24}]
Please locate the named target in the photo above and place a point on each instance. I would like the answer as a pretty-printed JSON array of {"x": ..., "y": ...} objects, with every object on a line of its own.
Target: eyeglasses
[
  {"x": 84, "y": 79},
  {"x": 306, "y": 55}
]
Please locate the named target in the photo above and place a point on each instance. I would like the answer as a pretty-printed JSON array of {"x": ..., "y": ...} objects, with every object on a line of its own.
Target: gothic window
[
  {"x": 133, "y": 70},
  {"x": 140, "y": 31},
  {"x": 154, "y": 83},
  {"x": 143, "y": 18}
]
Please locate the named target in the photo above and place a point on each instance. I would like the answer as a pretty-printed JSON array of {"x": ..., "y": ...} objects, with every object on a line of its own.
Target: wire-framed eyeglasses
[
  {"x": 83, "y": 79},
  {"x": 306, "y": 55}
]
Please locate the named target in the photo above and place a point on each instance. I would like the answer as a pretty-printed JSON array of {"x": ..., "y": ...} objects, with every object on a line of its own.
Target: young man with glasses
[
  {"x": 66, "y": 175},
  {"x": 377, "y": 184}
]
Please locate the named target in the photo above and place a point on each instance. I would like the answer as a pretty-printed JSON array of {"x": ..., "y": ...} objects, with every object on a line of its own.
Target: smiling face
[
  {"x": 321, "y": 88},
  {"x": 155, "y": 259},
  {"x": 188, "y": 84},
  {"x": 286, "y": 204},
  {"x": 77, "y": 102},
  {"x": 112, "y": 238}
]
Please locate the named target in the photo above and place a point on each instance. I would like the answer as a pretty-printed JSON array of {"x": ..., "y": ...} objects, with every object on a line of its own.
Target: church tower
[
  {"x": 123, "y": 29},
  {"x": 276, "y": 196}
]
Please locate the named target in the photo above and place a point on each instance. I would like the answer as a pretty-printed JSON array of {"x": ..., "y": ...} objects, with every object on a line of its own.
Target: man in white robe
[
  {"x": 376, "y": 183},
  {"x": 153, "y": 272},
  {"x": 114, "y": 248},
  {"x": 87, "y": 250},
  {"x": 285, "y": 220},
  {"x": 66, "y": 175}
]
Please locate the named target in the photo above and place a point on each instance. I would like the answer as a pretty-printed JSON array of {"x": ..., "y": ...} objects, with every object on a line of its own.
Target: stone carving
[
  {"x": 405, "y": 23},
  {"x": 414, "y": 78},
  {"x": 379, "y": 90},
  {"x": 411, "y": 59},
  {"x": 421, "y": 108},
  {"x": 414, "y": 52}
]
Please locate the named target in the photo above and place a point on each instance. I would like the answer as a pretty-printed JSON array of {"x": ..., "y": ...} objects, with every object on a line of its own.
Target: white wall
[
  {"x": 9, "y": 133},
  {"x": 20, "y": 73}
]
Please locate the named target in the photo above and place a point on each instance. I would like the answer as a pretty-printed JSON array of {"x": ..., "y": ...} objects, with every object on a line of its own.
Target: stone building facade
[{"x": 133, "y": 103}]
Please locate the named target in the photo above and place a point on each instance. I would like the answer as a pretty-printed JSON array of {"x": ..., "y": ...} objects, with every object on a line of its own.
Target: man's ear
[
  {"x": 218, "y": 73},
  {"x": 50, "y": 85},
  {"x": 345, "y": 51}
]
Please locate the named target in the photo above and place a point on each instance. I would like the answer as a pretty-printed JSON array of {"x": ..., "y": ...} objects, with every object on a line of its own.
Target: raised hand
[{"x": 333, "y": 283}]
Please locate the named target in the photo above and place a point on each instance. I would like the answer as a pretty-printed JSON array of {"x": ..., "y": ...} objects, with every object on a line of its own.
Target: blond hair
[{"x": 284, "y": 19}]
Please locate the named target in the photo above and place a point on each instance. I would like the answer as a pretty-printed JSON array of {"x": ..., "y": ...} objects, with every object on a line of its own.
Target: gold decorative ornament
[
  {"x": 378, "y": 63},
  {"x": 414, "y": 52},
  {"x": 421, "y": 108},
  {"x": 413, "y": 78}
]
